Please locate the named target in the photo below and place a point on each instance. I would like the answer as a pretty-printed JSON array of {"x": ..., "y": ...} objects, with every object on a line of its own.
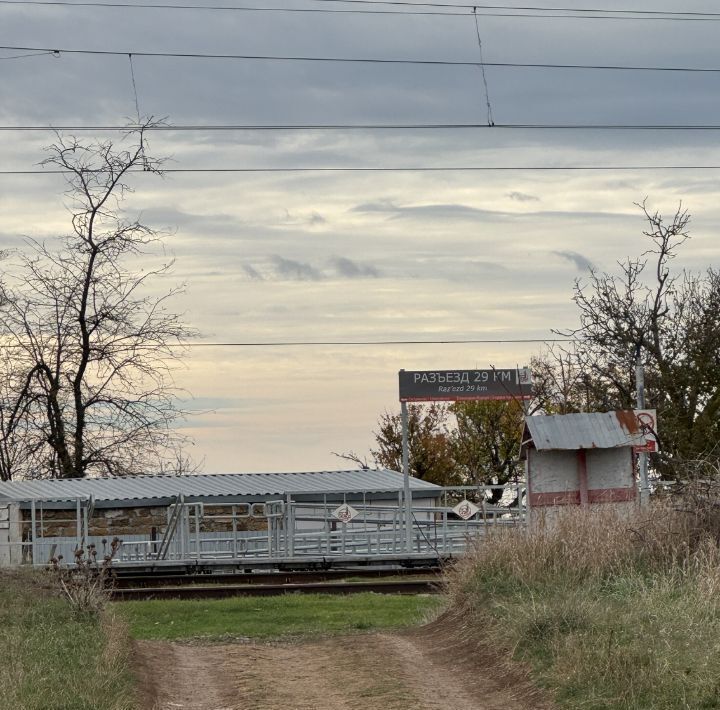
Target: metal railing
[{"x": 292, "y": 528}]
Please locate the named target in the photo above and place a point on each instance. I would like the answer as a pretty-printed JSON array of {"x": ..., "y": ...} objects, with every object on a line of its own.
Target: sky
[{"x": 366, "y": 256}]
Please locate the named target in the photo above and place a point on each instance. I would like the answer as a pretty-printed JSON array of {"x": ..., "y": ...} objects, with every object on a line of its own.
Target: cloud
[
  {"x": 295, "y": 270},
  {"x": 582, "y": 263},
  {"x": 488, "y": 267},
  {"x": 352, "y": 269},
  {"x": 431, "y": 211},
  {"x": 522, "y": 197},
  {"x": 281, "y": 268},
  {"x": 454, "y": 211},
  {"x": 252, "y": 272},
  {"x": 313, "y": 219}
]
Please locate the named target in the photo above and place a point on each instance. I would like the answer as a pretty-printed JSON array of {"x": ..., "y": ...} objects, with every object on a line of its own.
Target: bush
[{"x": 610, "y": 612}]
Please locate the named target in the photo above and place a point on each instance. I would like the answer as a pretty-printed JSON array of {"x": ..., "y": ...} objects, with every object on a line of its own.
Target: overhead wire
[
  {"x": 134, "y": 87},
  {"x": 368, "y": 127},
  {"x": 354, "y": 343},
  {"x": 450, "y": 9},
  {"x": 407, "y": 169},
  {"x": 26, "y": 56},
  {"x": 366, "y": 60},
  {"x": 488, "y": 107},
  {"x": 485, "y": 6}
]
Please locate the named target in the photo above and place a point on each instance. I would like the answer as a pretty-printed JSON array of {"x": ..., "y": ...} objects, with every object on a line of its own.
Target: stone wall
[{"x": 150, "y": 521}]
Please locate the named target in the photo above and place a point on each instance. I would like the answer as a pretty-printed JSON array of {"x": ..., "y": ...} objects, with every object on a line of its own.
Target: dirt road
[{"x": 393, "y": 671}]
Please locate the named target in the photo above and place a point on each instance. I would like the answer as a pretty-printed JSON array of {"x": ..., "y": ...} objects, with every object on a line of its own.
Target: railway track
[
  {"x": 256, "y": 589},
  {"x": 155, "y": 579}
]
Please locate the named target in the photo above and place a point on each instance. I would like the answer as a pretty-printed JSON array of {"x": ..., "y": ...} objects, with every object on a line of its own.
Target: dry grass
[
  {"x": 55, "y": 659},
  {"x": 610, "y": 612}
]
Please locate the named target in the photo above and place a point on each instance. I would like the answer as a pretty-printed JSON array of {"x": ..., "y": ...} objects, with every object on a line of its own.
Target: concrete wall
[
  {"x": 10, "y": 536},
  {"x": 611, "y": 476},
  {"x": 585, "y": 477}
]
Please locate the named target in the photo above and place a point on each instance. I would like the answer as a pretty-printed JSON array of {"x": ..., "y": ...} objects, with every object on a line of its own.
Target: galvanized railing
[{"x": 294, "y": 530}]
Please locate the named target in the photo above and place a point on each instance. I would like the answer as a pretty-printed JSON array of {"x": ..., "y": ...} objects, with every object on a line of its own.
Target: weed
[
  {"x": 85, "y": 584},
  {"x": 612, "y": 613}
]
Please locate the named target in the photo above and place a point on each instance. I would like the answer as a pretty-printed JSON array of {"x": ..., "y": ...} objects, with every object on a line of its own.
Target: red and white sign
[
  {"x": 647, "y": 421},
  {"x": 345, "y": 513},
  {"x": 465, "y": 509}
]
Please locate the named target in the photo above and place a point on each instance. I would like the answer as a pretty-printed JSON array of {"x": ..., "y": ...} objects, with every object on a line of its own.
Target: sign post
[
  {"x": 407, "y": 494},
  {"x": 452, "y": 386},
  {"x": 640, "y": 392}
]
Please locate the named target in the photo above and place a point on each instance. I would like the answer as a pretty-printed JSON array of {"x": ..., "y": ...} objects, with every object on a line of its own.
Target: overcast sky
[{"x": 366, "y": 256}]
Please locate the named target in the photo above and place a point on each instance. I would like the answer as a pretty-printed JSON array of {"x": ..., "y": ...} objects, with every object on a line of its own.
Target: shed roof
[
  {"x": 220, "y": 487},
  {"x": 595, "y": 430}
]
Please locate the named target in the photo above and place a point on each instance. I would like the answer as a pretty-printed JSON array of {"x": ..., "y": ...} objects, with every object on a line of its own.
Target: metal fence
[{"x": 291, "y": 529}]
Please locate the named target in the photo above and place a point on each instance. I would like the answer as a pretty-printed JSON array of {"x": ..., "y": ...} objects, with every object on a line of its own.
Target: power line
[
  {"x": 519, "y": 7},
  {"x": 374, "y": 127},
  {"x": 485, "y": 10},
  {"x": 353, "y": 343},
  {"x": 360, "y": 60},
  {"x": 26, "y": 56},
  {"x": 410, "y": 169},
  {"x": 247, "y": 8}
]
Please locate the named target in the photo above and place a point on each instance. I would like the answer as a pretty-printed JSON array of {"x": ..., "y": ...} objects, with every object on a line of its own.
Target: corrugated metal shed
[
  {"x": 596, "y": 430},
  {"x": 221, "y": 487}
]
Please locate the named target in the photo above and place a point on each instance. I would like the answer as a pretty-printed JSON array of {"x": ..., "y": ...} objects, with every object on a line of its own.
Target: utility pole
[{"x": 643, "y": 457}]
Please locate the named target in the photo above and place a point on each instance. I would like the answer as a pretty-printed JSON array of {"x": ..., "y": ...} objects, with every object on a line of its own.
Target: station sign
[{"x": 462, "y": 385}]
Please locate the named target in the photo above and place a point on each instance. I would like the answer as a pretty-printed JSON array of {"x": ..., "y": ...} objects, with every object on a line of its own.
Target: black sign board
[{"x": 456, "y": 385}]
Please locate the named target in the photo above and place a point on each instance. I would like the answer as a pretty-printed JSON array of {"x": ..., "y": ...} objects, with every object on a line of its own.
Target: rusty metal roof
[
  {"x": 595, "y": 430},
  {"x": 219, "y": 487}
]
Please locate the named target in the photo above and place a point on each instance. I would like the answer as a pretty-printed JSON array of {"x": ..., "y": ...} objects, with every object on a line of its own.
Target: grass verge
[
  {"x": 608, "y": 613},
  {"x": 273, "y": 617},
  {"x": 54, "y": 659}
]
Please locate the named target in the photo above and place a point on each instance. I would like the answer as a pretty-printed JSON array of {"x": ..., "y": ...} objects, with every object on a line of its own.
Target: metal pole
[
  {"x": 640, "y": 386},
  {"x": 78, "y": 525},
  {"x": 407, "y": 495},
  {"x": 33, "y": 551}
]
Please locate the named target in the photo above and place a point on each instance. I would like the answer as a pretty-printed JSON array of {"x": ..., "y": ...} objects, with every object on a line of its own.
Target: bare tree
[
  {"x": 672, "y": 321},
  {"x": 88, "y": 386}
]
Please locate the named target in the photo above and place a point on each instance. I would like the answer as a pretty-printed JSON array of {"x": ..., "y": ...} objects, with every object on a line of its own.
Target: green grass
[
  {"x": 54, "y": 660},
  {"x": 607, "y": 620},
  {"x": 274, "y": 617}
]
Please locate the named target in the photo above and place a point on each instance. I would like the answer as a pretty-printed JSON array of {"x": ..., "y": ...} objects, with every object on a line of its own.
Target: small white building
[{"x": 581, "y": 459}]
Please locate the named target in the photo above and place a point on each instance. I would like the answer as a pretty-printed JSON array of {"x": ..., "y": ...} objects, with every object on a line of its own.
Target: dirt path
[{"x": 394, "y": 671}]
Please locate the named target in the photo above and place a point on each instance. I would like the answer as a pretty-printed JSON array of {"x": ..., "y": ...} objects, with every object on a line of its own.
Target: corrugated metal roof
[
  {"x": 595, "y": 430},
  {"x": 201, "y": 486}
]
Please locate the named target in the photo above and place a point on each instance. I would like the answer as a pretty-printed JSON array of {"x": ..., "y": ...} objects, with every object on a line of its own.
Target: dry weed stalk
[
  {"x": 679, "y": 534},
  {"x": 85, "y": 584}
]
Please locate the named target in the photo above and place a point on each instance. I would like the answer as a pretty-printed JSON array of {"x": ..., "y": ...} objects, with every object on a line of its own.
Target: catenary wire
[
  {"x": 461, "y": 11},
  {"x": 353, "y": 343},
  {"x": 419, "y": 169},
  {"x": 363, "y": 60},
  {"x": 514, "y": 7},
  {"x": 371, "y": 126},
  {"x": 26, "y": 56},
  {"x": 485, "y": 10}
]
